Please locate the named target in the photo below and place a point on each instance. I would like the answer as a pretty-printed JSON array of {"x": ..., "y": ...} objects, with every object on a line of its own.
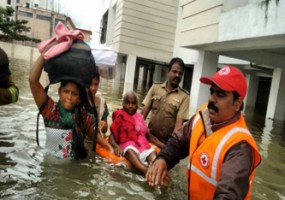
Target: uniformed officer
[{"x": 168, "y": 103}]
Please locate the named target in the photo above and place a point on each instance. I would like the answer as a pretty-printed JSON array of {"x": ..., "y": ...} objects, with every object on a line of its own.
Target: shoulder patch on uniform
[
  {"x": 185, "y": 91},
  {"x": 158, "y": 82}
]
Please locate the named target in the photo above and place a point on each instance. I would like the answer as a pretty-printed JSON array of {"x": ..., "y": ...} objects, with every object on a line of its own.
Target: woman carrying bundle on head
[{"x": 66, "y": 121}]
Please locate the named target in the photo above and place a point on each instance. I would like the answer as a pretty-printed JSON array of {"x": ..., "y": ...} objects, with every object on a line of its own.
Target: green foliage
[{"x": 11, "y": 29}]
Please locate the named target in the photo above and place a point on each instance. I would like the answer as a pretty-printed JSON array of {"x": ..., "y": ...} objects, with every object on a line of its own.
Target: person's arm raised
[{"x": 37, "y": 89}]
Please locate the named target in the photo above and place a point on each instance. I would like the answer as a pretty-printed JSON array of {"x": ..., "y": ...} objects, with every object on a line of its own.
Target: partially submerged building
[
  {"x": 249, "y": 34},
  {"x": 42, "y": 17}
]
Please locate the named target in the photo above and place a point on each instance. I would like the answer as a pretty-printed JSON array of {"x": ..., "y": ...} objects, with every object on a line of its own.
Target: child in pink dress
[{"x": 128, "y": 134}]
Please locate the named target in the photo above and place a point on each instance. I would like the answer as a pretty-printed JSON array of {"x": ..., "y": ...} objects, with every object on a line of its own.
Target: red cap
[{"x": 228, "y": 78}]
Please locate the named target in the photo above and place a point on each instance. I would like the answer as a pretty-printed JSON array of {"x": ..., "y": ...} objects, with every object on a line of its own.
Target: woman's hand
[
  {"x": 103, "y": 126},
  {"x": 118, "y": 151}
]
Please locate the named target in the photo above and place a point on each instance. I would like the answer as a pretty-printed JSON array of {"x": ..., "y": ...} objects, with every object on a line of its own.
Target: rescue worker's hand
[{"x": 157, "y": 174}]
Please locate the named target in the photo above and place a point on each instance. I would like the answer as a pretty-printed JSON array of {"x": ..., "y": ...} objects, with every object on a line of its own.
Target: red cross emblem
[
  {"x": 204, "y": 160},
  {"x": 224, "y": 71}
]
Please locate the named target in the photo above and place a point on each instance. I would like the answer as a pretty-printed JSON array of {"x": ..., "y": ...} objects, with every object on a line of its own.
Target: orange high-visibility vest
[{"x": 206, "y": 158}]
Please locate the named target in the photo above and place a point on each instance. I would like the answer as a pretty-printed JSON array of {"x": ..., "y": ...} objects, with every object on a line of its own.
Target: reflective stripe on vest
[
  {"x": 212, "y": 179},
  {"x": 205, "y": 177},
  {"x": 196, "y": 119}
]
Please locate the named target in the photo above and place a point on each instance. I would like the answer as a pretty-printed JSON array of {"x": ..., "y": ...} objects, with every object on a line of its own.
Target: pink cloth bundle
[{"x": 64, "y": 37}]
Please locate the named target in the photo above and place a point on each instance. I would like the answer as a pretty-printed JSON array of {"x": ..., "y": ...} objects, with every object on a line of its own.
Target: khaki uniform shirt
[{"x": 165, "y": 108}]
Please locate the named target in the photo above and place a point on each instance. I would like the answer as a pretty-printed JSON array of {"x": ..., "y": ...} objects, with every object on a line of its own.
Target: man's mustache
[
  {"x": 212, "y": 106},
  {"x": 178, "y": 79}
]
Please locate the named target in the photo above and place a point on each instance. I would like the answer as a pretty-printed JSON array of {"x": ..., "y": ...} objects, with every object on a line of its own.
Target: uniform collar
[{"x": 174, "y": 90}]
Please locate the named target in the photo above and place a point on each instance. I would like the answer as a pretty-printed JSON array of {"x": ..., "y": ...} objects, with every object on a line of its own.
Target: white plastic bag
[{"x": 105, "y": 59}]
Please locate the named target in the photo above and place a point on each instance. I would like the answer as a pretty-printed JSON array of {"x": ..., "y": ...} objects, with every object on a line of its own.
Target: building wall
[
  {"x": 41, "y": 19},
  {"x": 43, "y": 29},
  {"x": 53, "y": 5},
  {"x": 2, "y": 3},
  {"x": 42, "y": 22},
  {"x": 252, "y": 18},
  {"x": 145, "y": 28},
  {"x": 200, "y": 21},
  {"x": 13, "y": 3},
  {"x": 86, "y": 34},
  {"x": 213, "y": 21}
]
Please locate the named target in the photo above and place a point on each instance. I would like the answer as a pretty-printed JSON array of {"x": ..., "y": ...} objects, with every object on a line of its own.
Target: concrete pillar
[
  {"x": 276, "y": 107},
  {"x": 130, "y": 73},
  {"x": 280, "y": 107},
  {"x": 206, "y": 66},
  {"x": 250, "y": 100},
  {"x": 119, "y": 68}
]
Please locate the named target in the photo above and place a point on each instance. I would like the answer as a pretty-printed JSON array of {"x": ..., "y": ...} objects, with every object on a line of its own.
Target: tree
[{"x": 11, "y": 29}]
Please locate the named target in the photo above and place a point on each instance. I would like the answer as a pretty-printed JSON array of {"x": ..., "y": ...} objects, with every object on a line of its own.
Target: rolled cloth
[
  {"x": 64, "y": 37},
  {"x": 70, "y": 59}
]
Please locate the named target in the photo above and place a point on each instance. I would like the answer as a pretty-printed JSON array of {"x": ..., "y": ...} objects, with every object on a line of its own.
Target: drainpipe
[{"x": 260, "y": 67}]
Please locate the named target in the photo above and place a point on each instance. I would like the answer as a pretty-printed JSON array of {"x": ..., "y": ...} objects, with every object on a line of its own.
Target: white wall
[
  {"x": 145, "y": 28},
  {"x": 251, "y": 18}
]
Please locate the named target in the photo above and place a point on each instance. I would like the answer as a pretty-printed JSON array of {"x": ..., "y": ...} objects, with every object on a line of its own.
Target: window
[
  {"x": 9, "y": 2},
  {"x": 58, "y": 20},
  {"x": 43, "y": 17},
  {"x": 25, "y": 14},
  {"x": 104, "y": 28}
]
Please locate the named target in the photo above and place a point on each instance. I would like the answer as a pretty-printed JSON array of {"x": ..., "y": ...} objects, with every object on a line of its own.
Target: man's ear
[{"x": 238, "y": 103}]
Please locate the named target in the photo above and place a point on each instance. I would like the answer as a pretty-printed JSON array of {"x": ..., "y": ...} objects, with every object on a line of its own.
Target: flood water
[{"x": 27, "y": 173}]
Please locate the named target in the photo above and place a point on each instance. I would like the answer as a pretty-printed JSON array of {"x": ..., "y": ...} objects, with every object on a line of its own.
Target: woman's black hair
[
  {"x": 96, "y": 75},
  {"x": 64, "y": 83}
]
